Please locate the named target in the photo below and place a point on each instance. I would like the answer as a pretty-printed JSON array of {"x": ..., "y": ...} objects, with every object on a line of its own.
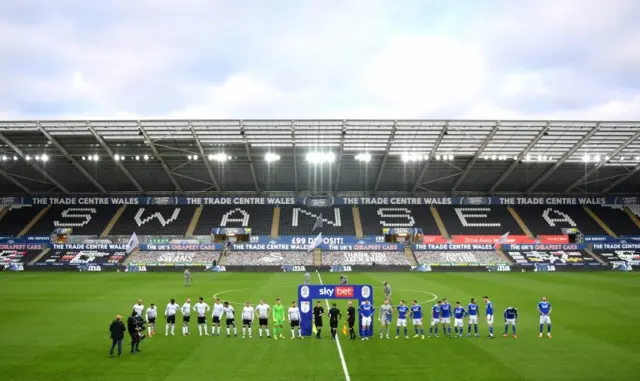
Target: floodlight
[
  {"x": 366, "y": 157},
  {"x": 146, "y": 157},
  {"x": 44, "y": 157},
  {"x": 271, "y": 157}
]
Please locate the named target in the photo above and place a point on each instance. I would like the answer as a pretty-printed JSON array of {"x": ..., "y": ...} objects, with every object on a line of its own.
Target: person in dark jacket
[
  {"x": 117, "y": 330},
  {"x": 134, "y": 332}
]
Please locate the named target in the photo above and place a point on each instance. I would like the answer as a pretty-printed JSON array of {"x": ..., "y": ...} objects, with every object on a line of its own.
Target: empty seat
[
  {"x": 155, "y": 220},
  {"x": 258, "y": 218},
  {"x": 173, "y": 258},
  {"x": 550, "y": 257},
  {"x": 549, "y": 220},
  {"x": 478, "y": 220},
  {"x": 84, "y": 220},
  {"x": 269, "y": 258},
  {"x": 299, "y": 221},
  {"x": 366, "y": 258},
  {"x": 375, "y": 218},
  {"x": 17, "y": 218},
  {"x": 82, "y": 257},
  {"x": 17, "y": 256},
  {"x": 616, "y": 219},
  {"x": 477, "y": 258}
]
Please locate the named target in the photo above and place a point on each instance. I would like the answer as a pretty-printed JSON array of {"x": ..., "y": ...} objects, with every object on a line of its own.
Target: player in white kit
[{"x": 248, "y": 314}]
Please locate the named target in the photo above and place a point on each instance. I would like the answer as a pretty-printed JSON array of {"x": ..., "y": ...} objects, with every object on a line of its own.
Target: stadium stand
[
  {"x": 258, "y": 218},
  {"x": 155, "y": 220},
  {"x": 268, "y": 258},
  {"x": 81, "y": 257},
  {"x": 299, "y": 221},
  {"x": 171, "y": 258},
  {"x": 367, "y": 258},
  {"x": 459, "y": 257},
  {"x": 551, "y": 219},
  {"x": 89, "y": 220},
  {"x": 18, "y": 256},
  {"x": 616, "y": 219},
  {"x": 375, "y": 218},
  {"x": 631, "y": 257},
  {"x": 17, "y": 218},
  {"x": 478, "y": 220},
  {"x": 551, "y": 257}
]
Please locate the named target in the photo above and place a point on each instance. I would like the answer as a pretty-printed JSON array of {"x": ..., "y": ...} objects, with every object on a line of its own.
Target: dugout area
[{"x": 309, "y": 294}]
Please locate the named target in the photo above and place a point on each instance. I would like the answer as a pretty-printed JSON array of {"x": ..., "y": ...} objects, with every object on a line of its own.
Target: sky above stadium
[{"x": 496, "y": 59}]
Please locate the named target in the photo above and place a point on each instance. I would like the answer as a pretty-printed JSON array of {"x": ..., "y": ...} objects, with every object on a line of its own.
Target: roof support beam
[
  {"x": 111, "y": 154},
  {"x": 295, "y": 157},
  {"x": 73, "y": 161},
  {"x": 435, "y": 147},
  {"x": 386, "y": 155},
  {"x": 212, "y": 176},
  {"x": 621, "y": 179},
  {"x": 162, "y": 162},
  {"x": 524, "y": 153},
  {"x": 15, "y": 182},
  {"x": 470, "y": 164},
  {"x": 564, "y": 158},
  {"x": 343, "y": 133},
  {"x": 251, "y": 166},
  {"x": 33, "y": 164},
  {"x": 599, "y": 165}
]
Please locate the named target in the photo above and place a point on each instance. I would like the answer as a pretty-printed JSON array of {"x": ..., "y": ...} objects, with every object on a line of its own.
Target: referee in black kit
[
  {"x": 318, "y": 311},
  {"x": 351, "y": 320},
  {"x": 134, "y": 328},
  {"x": 334, "y": 317}
]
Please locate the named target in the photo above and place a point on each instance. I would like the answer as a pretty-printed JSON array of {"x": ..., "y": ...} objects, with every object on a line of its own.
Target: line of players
[
  {"x": 441, "y": 314},
  {"x": 224, "y": 310}
]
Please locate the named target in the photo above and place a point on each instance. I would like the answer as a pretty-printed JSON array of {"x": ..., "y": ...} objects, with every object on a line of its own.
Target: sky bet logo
[{"x": 340, "y": 292}]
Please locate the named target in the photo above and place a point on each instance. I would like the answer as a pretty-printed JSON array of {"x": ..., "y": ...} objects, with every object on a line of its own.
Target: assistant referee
[{"x": 351, "y": 320}]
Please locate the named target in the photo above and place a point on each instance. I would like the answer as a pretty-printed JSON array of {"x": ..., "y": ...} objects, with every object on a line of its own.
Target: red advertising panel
[
  {"x": 553, "y": 238},
  {"x": 433, "y": 240},
  {"x": 491, "y": 239}
]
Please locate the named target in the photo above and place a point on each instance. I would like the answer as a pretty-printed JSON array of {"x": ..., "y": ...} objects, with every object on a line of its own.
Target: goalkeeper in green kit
[{"x": 278, "y": 320}]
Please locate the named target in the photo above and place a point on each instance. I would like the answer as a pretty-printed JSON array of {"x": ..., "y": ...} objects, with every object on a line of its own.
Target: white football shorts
[
  {"x": 511, "y": 321},
  {"x": 458, "y": 323},
  {"x": 435, "y": 321},
  {"x": 445, "y": 320},
  {"x": 545, "y": 319},
  {"x": 366, "y": 321},
  {"x": 401, "y": 322},
  {"x": 473, "y": 319},
  {"x": 489, "y": 319},
  {"x": 417, "y": 321}
]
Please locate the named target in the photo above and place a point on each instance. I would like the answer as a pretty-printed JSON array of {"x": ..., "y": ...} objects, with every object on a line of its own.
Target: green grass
[{"x": 54, "y": 327}]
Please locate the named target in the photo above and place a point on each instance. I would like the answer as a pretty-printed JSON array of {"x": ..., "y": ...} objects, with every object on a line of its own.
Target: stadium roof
[{"x": 406, "y": 157}]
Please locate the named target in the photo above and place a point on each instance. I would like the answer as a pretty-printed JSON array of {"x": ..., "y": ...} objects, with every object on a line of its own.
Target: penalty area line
[{"x": 342, "y": 360}]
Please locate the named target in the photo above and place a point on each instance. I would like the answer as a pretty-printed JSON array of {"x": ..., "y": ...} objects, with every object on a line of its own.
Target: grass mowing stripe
[{"x": 342, "y": 360}]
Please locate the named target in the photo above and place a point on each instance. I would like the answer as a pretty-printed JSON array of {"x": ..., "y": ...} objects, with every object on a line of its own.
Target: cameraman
[{"x": 135, "y": 325}]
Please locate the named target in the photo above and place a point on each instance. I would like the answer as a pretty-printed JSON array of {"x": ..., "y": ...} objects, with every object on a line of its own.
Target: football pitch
[{"x": 55, "y": 327}]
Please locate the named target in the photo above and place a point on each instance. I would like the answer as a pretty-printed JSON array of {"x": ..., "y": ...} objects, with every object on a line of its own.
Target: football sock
[
  {"x": 228, "y": 331},
  {"x": 513, "y": 328},
  {"x": 491, "y": 330},
  {"x": 406, "y": 331},
  {"x": 235, "y": 330},
  {"x": 475, "y": 328},
  {"x": 267, "y": 330},
  {"x": 549, "y": 328},
  {"x": 200, "y": 329},
  {"x": 244, "y": 331},
  {"x": 166, "y": 329},
  {"x": 260, "y": 332},
  {"x": 449, "y": 328},
  {"x": 422, "y": 331},
  {"x": 506, "y": 328}
]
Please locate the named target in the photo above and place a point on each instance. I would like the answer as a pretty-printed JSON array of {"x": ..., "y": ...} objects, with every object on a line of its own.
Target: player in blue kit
[
  {"x": 366, "y": 311},
  {"x": 489, "y": 313},
  {"x": 510, "y": 317},
  {"x": 402, "y": 319},
  {"x": 544, "y": 308},
  {"x": 445, "y": 317},
  {"x": 473, "y": 310},
  {"x": 458, "y": 320},
  {"x": 435, "y": 317},
  {"x": 416, "y": 314}
]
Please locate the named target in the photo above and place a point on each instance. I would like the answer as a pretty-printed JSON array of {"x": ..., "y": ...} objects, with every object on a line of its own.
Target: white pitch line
[{"x": 342, "y": 360}]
